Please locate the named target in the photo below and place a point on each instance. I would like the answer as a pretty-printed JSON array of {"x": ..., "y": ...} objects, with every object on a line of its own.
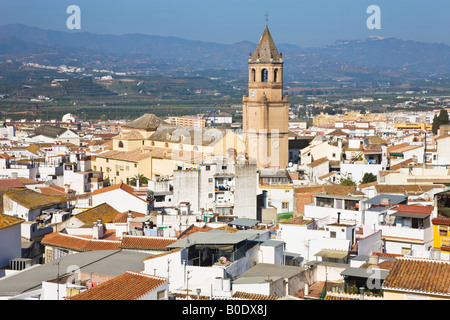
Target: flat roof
[
  {"x": 244, "y": 222},
  {"x": 105, "y": 262},
  {"x": 331, "y": 196},
  {"x": 393, "y": 198},
  {"x": 215, "y": 238},
  {"x": 335, "y": 254},
  {"x": 272, "y": 243},
  {"x": 365, "y": 273}
]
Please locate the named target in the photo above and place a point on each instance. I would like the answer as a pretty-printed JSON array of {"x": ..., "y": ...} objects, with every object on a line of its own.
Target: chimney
[
  {"x": 385, "y": 202},
  {"x": 98, "y": 229},
  {"x": 265, "y": 199},
  {"x": 129, "y": 217},
  {"x": 306, "y": 290}
]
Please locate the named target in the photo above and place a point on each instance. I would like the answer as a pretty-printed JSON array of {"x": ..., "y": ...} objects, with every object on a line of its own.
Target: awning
[
  {"x": 410, "y": 215},
  {"x": 366, "y": 273},
  {"x": 334, "y": 254}
]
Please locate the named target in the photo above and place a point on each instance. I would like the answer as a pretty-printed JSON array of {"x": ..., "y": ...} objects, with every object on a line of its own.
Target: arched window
[
  {"x": 166, "y": 145},
  {"x": 120, "y": 144},
  {"x": 153, "y": 143},
  {"x": 264, "y": 75},
  {"x": 275, "y": 75},
  {"x": 253, "y": 75}
]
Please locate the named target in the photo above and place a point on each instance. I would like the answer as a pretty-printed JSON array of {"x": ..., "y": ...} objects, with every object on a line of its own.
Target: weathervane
[{"x": 267, "y": 19}]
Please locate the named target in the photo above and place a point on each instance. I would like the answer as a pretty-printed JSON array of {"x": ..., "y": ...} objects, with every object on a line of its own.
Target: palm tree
[{"x": 139, "y": 177}]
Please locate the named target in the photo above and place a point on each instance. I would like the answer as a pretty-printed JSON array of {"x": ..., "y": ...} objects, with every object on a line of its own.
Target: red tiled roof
[
  {"x": 193, "y": 229},
  {"x": 118, "y": 186},
  {"x": 419, "y": 275},
  {"x": 441, "y": 221},
  {"x": 146, "y": 243},
  {"x": 387, "y": 255},
  {"x": 57, "y": 239},
  {"x": 406, "y": 208},
  {"x": 128, "y": 286},
  {"x": 54, "y": 190},
  {"x": 11, "y": 183},
  {"x": 252, "y": 296},
  {"x": 122, "y": 217},
  {"x": 122, "y": 186}
]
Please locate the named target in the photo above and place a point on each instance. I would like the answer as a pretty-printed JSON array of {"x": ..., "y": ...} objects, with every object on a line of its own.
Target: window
[
  {"x": 208, "y": 168},
  {"x": 253, "y": 75},
  {"x": 445, "y": 243},
  {"x": 224, "y": 167},
  {"x": 443, "y": 231},
  {"x": 120, "y": 144},
  {"x": 285, "y": 205},
  {"x": 275, "y": 75},
  {"x": 264, "y": 75},
  {"x": 332, "y": 234},
  {"x": 210, "y": 180},
  {"x": 210, "y": 195},
  {"x": 153, "y": 143},
  {"x": 161, "y": 294}
]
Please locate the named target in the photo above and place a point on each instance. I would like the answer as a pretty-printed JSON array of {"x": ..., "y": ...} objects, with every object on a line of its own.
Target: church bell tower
[{"x": 265, "y": 109}]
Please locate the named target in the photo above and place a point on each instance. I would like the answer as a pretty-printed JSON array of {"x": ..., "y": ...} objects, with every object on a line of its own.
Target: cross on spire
[{"x": 267, "y": 18}]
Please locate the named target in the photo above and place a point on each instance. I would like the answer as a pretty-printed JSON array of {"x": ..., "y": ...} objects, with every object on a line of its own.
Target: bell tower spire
[{"x": 265, "y": 109}]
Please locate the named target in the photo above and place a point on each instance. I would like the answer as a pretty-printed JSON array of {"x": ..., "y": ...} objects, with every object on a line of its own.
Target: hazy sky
[{"x": 301, "y": 22}]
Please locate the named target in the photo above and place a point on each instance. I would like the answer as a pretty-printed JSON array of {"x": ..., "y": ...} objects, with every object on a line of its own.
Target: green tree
[
  {"x": 139, "y": 177},
  {"x": 348, "y": 182},
  {"x": 368, "y": 177},
  {"x": 439, "y": 120}
]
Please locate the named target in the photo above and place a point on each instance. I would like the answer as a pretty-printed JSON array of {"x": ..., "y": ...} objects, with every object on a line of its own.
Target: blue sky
[{"x": 301, "y": 22}]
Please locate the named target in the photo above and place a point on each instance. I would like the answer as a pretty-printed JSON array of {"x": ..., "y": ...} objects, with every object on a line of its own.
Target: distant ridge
[{"x": 377, "y": 58}]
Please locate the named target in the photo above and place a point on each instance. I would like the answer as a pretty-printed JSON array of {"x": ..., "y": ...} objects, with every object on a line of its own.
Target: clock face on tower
[{"x": 252, "y": 93}]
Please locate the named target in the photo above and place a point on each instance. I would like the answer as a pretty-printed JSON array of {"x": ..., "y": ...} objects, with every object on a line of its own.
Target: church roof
[
  {"x": 266, "y": 51},
  {"x": 146, "y": 122}
]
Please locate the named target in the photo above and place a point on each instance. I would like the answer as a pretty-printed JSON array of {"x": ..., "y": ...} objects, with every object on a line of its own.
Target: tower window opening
[
  {"x": 264, "y": 75},
  {"x": 275, "y": 75},
  {"x": 253, "y": 75}
]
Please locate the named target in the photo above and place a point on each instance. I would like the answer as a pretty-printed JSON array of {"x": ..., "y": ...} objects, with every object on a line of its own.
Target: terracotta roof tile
[
  {"x": 11, "y": 183},
  {"x": 103, "y": 211},
  {"x": 62, "y": 240},
  {"x": 7, "y": 221},
  {"x": 128, "y": 286},
  {"x": 317, "y": 162},
  {"x": 441, "y": 221},
  {"x": 406, "y": 208},
  {"x": 122, "y": 217},
  {"x": 34, "y": 200},
  {"x": 419, "y": 275},
  {"x": 146, "y": 243},
  {"x": 252, "y": 296}
]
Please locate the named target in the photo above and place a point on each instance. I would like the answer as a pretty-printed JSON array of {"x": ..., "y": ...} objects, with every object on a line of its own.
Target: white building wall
[
  {"x": 356, "y": 170},
  {"x": 10, "y": 236},
  {"x": 120, "y": 200}
]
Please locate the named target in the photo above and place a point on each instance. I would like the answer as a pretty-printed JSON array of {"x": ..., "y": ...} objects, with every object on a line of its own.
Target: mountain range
[{"x": 374, "y": 59}]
